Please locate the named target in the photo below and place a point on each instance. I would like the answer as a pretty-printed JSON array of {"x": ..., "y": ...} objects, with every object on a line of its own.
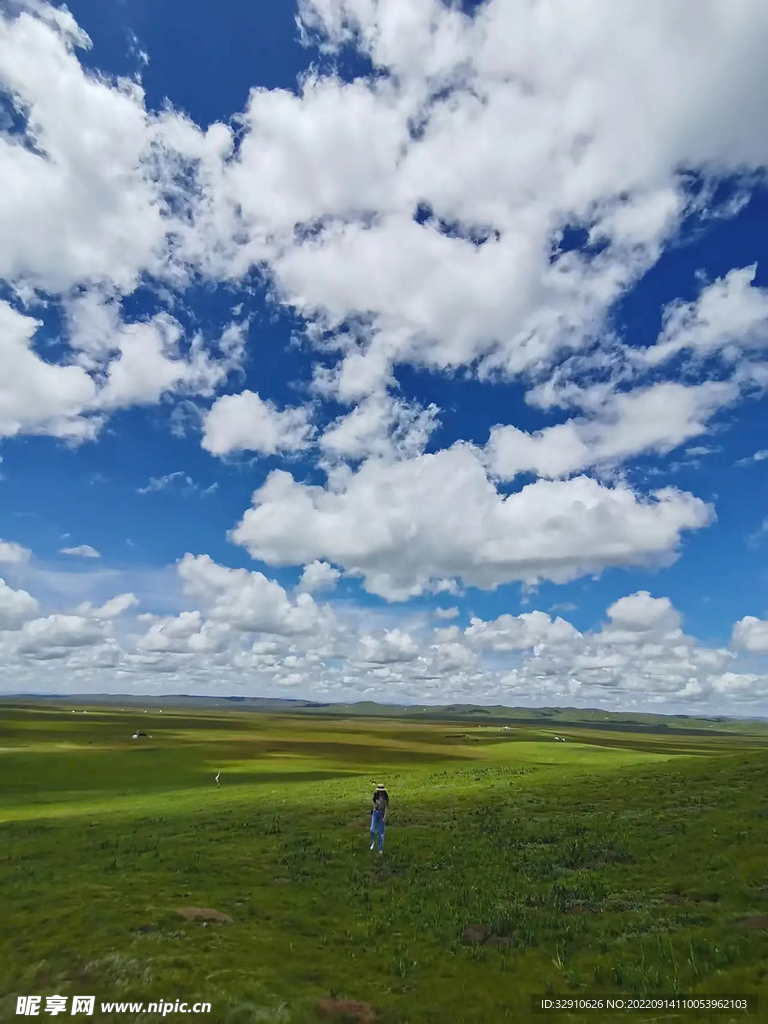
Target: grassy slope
[{"x": 613, "y": 862}]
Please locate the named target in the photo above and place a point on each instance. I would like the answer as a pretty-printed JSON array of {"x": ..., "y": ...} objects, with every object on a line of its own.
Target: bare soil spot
[
  {"x": 479, "y": 935},
  {"x": 614, "y": 857},
  {"x": 203, "y": 914},
  {"x": 475, "y": 934},
  {"x": 676, "y": 898},
  {"x": 757, "y": 922},
  {"x": 350, "y": 1009},
  {"x": 582, "y": 908}
]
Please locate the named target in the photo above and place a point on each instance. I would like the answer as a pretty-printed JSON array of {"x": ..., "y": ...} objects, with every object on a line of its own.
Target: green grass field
[{"x": 614, "y": 863}]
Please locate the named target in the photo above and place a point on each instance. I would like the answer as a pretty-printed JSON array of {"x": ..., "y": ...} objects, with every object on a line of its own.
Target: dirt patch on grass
[
  {"x": 348, "y": 1009},
  {"x": 203, "y": 914},
  {"x": 582, "y": 908},
  {"x": 475, "y": 934},
  {"x": 676, "y": 899},
  {"x": 613, "y": 857},
  {"x": 479, "y": 935},
  {"x": 757, "y": 922}
]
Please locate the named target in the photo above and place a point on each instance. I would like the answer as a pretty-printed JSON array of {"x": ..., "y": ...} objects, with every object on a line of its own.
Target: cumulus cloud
[
  {"x": 458, "y": 166},
  {"x": 729, "y": 316},
  {"x": 500, "y": 148},
  {"x": 81, "y": 205},
  {"x": 249, "y": 601},
  {"x": 657, "y": 419},
  {"x": 394, "y": 646},
  {"x": 318, "y": 576},
  {"x": 133, "y": 364},
  {"x": 185, "y": 633},
  {"x": 641, "y": 613},
  {"x": 90, "y": 203},
  {"x": 38, "y": 397},
  {"x": 403, "y": 525},
  {"x": 16, "y": 606},
  {"x": 150, "y": 363},
  {"x": 478, "y": 204},
  {"x": 53, "y": 636},
  {"x": 751, "y": 634},
  {"x": 246, "y": 422},
  {"x": 81, "y": 551},
  {"x": 380, "y": 425},
  {"x": 13, "y": 554},
  {"x": 517, "y": 633},
  {"x": 639, "y": 658},
  {"x": 111, "y": 609},
  {"x": 446, "y": 613}
]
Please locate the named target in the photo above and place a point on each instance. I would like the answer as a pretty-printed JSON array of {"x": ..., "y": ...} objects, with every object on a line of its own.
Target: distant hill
[{"x": 490, "y": 715}]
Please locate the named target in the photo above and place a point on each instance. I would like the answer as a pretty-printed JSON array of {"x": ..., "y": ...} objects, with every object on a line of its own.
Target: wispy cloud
[
  {"x": 162, "y": 483},
  {"x": 81, "y": 551},
  {"x": 179, "y": 481},
  {"x": 760, "y": 456},
  {"x": 755, "y": 538},
  {"x": 700, "y": 450}
]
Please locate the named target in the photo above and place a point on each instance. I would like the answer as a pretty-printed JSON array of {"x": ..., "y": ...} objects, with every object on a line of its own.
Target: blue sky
[{"x": 458, "y": 327}]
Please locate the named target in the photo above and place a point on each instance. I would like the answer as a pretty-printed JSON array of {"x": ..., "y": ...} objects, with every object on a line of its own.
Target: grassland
[{"x": 617, "y": 862}]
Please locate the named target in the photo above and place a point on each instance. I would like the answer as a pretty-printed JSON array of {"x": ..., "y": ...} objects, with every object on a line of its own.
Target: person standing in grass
[{"x": 379, "y": 817}]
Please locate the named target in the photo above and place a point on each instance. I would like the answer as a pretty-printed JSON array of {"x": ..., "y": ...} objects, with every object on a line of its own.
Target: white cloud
[
  {"x": 394, "y": 646},
  {"x": 52, "y": 636},
  {"x": 150, "y": 364},
  {"x": 517, "y": 633},
  {"x": 502, "y": 129},
  {"x": 111, "y": 609},
  {"x": 16, "y": 606},
  {"x": 81, "y": 551},
  {"x": 446, "y": 613},
  {"x": 83, "y": 206},
  {"x": 318, "y": 576},
  {"x": 380, "y": 425},
  {"x": 161, "y": 483},
  {"x": 657, "y": 419},
  {"x": 38, "y": 397},
  {"x": 406, "y": 524},
  {"x": 496, "y": 143},
  {"x": 759, "y": 456},
  {"x": 564, "y": 606},
  {"x": 517, "y": 147},
  {"x": 641, "y": 613},
  {"x": 13, "y": 554},
  {"x": 729, "y": 316},
  {"x": 185, "y": 633},
  {"x": 246, "y": 422},
  {"x": 640, "y": 659},
  {"x": 700, "y": 450},
  {"x": 91, "y": 199},
  {"x": 248, "y": 601},
  {"x": 751, "y": 634},
  {"x": 129, "y": 364}
]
